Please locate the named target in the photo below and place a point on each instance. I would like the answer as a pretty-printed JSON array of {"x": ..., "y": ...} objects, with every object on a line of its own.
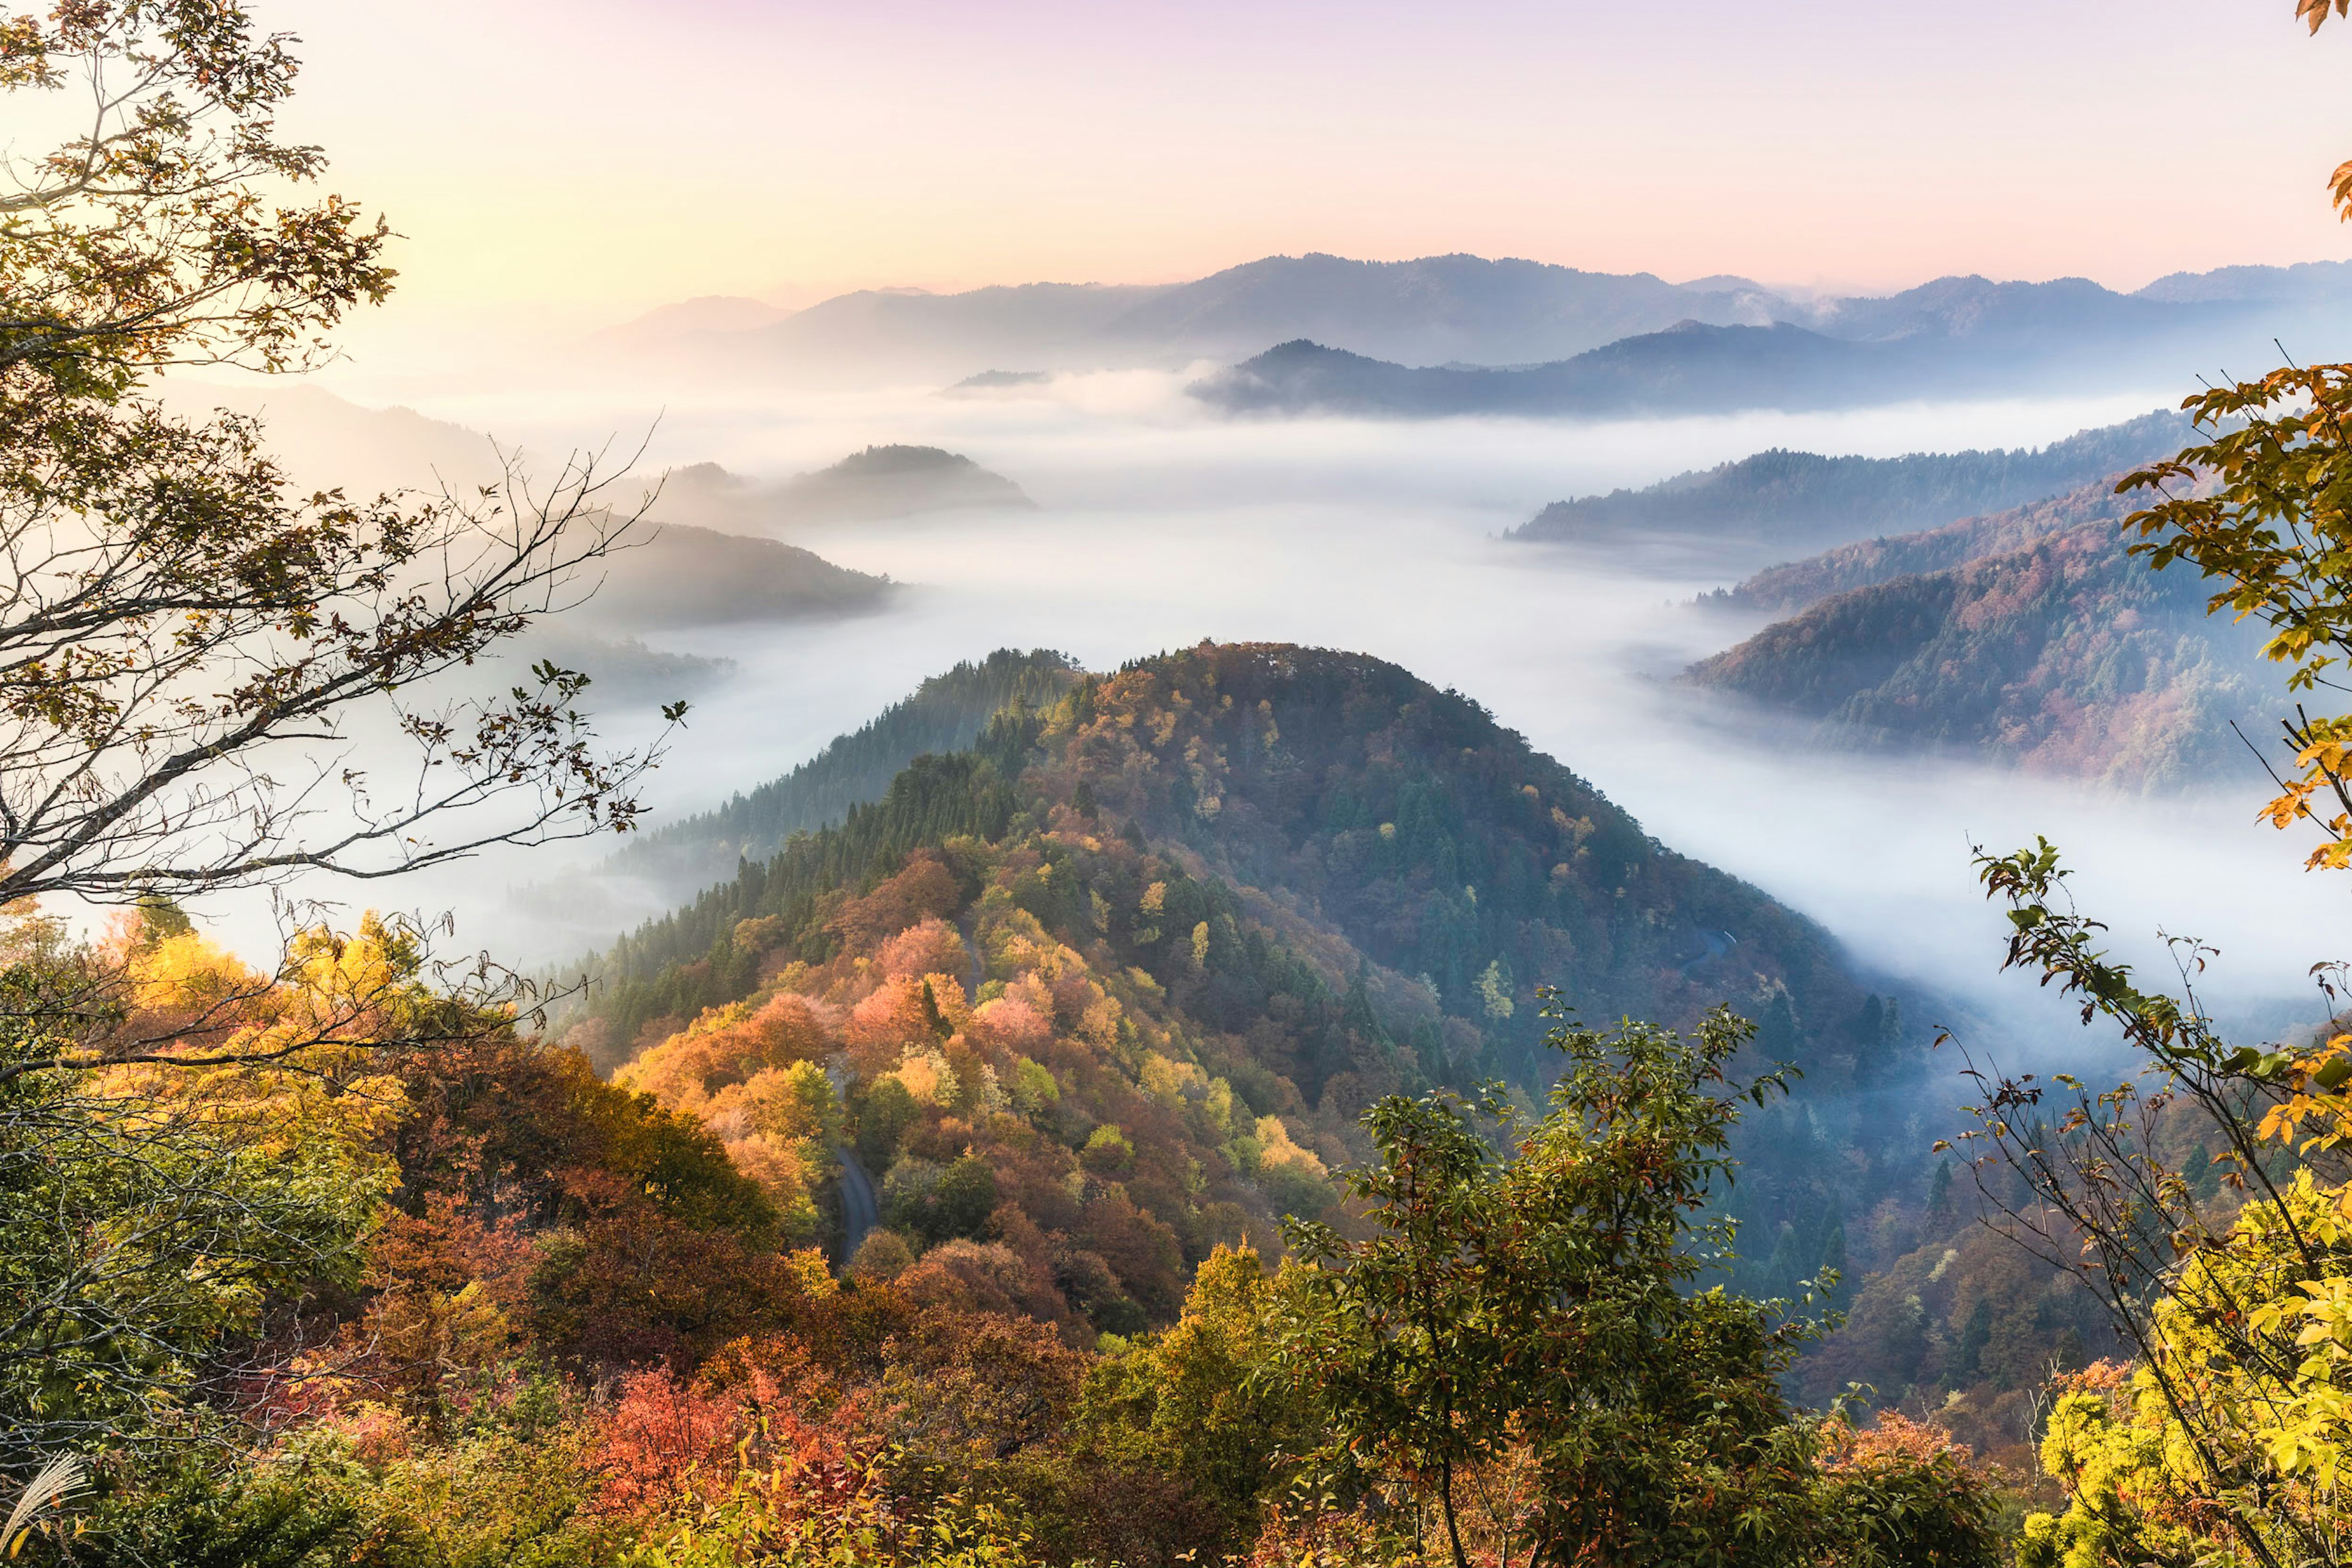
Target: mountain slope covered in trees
[
  {"x": 2069, "y": 656},
  {"x": 1801, "y": 498},
  {"x": 946, "y": 714},
  {"x": 1796, "y": 585},
  {"x": 1259, "y": 877},
  {"x": 1346, "y": 795}
]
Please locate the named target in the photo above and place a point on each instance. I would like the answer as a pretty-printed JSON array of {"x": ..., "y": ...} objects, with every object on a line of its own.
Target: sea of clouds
[{"x": 1159, "y": 524}]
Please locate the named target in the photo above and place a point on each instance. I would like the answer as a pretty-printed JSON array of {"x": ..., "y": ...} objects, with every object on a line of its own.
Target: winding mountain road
[{"x": 860, "y": 1211}]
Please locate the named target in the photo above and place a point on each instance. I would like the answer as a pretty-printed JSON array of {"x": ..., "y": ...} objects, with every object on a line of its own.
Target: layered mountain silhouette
[
  {"x": 1433, "y": 309},
  {"x": 1689, "y": 368},
  {"x": 1470, "y": 311},
  {"x": 1959, "y": 338}
]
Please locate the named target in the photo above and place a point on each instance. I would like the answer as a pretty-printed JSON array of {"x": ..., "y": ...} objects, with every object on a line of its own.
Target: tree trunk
[{"x": 1445, "y": 1501}]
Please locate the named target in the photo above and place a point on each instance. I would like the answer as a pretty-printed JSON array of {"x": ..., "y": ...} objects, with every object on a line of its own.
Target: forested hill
[
  {"x": 1117, "y": 982},
  {"x": 1336, "y": 799},
  {"x": 1796, "y": 585},
  {"x": 2067, "y": 656},
  {"x": 877, "y": 483},
  {"x": 945, "y": 713},
  {"x": 681, "y": 576},
  {"x": 1801, "y": 498},
  {"x": 1439, "y": 843}
]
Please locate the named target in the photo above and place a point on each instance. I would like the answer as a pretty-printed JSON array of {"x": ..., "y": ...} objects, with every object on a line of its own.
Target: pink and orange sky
[{"x": 601, "y": 157}]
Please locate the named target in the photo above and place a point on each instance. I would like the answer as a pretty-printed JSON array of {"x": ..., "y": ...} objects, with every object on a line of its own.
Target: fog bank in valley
[{"x": 1160, "y": 525}]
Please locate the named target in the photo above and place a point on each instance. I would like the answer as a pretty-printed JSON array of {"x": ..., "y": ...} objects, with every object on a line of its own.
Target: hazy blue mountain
[
  {"x": 1692, "y": 368},
  {"x": 1434, "y": 309},
  {"x": 879, "y": 482},
  {"x": 1802, "y": 498},
  {"x": 1437, "y": 308},
  {"x": 879, "y": 333},
  {"x": 1953, "y": 336},
  {"x": 2302, "y": 282},
  {"x": 706, "y": 316},
  {"x": 1974, "y": 306}
]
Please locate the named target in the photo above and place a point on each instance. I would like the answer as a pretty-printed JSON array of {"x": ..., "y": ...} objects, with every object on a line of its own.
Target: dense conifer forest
[{"x": 946, "y": 714}]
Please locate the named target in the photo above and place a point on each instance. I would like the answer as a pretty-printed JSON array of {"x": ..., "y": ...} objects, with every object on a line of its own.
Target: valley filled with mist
[{"x": 1132, "y": 519}]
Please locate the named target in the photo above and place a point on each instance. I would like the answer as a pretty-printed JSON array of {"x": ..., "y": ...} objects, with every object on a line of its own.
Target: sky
[{"x": 588, "y": 159}]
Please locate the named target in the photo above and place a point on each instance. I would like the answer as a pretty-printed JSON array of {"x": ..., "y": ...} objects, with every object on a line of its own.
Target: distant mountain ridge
[
  {"x": 1807, "y": 499},
  {"x": 1982, "y": 341},
  {"x": 1435, "y": 309},
  {"x": 2303, "y": 280},
  {"x": 1469, "y": 310},
  {"x": 1689, "y": 368},
  {"x": 1432, "y": 309}
]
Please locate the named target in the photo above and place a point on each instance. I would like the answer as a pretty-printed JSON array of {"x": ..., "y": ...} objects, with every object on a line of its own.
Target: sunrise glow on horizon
[{"x": 611, "y": 156}]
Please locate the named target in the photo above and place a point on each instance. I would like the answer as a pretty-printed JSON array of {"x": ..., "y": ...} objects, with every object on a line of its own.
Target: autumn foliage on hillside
[
  {"x": 1302, "y": 875},
  {"x": 951, "y": 1227},
  {"x": 598, "y": 1323},
  {"x": 2067, "y": 656}
]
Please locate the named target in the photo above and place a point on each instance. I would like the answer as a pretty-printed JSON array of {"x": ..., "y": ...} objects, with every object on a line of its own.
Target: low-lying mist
[{"x": 1161, "y": 525}]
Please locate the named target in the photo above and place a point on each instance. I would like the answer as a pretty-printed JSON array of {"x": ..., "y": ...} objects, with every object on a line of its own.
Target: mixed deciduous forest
[
  {"x": 1248, "y": 1106},
  {"x": 2066, "y": 656}
]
